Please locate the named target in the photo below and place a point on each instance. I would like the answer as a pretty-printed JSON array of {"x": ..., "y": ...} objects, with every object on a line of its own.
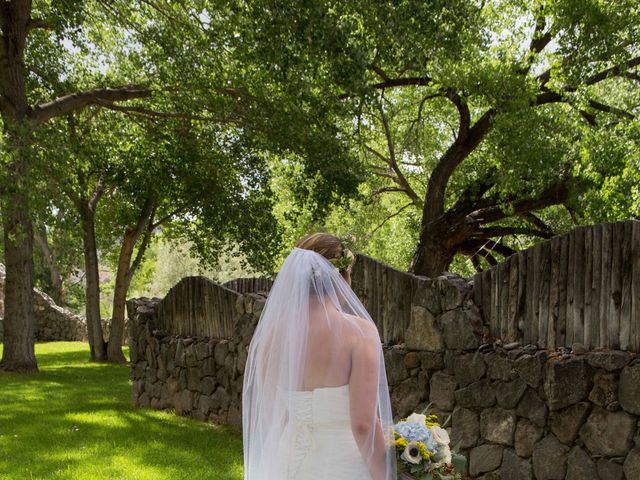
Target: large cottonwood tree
[{"x": 494, "y": 82}]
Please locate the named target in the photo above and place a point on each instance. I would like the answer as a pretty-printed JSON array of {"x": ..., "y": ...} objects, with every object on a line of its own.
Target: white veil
[{"x": 314, "y": 333}]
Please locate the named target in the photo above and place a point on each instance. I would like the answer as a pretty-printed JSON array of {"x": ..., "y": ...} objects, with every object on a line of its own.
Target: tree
[
  {"x": 507, "y": 89},
  {"x": 101, "y": 54}
]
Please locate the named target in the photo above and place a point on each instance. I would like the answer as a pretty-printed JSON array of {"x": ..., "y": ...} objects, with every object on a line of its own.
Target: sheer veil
[{"x": 314, "y": 333}]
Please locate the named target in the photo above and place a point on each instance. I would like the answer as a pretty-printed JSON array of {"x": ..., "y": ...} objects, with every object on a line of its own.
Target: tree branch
[
  {"x": 370, "y": 234},
  {"x": 145, "y": 112},
  {"x": 77, "y": 101},
  {"x": 553, "y": 195},
  {"x": 499, "y": 231},
  {"x": 463, "y": 110},
  {"x": 612, "y": 72},
  {"x": 401, "y": 179},
  {"x": 609, "y": 109},
  {"x": 97, "y": 193},
  {"x": 455, "y": 154},
  {"x": 402, "y": 82},
  {"x": 36, "y": 23},
  {"x": 536, "y": 222},
  {"x": 381, "y": 73}
]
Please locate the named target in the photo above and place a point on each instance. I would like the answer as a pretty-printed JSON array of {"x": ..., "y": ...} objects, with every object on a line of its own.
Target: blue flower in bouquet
[{"x": 416, "y": 432}]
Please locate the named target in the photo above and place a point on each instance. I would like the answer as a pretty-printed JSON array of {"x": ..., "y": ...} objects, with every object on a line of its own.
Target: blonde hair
[{"x": 329, "y": 246}]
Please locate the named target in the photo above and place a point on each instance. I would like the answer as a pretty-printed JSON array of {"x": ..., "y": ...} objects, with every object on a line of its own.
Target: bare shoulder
[{"x": 363, "y": 328}]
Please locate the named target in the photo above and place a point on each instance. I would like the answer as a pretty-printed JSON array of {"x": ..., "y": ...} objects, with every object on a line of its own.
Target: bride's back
[{"x": 331, "y": 337}]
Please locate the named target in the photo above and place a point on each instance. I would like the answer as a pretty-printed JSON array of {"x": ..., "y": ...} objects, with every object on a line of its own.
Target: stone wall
[
  {"x": 197, "y": 376},
  {"x": 519, "y": 412},
  {"x": 52, "y": 322}
]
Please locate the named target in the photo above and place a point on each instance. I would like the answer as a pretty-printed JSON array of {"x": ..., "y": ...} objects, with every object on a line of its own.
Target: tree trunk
[
  {"x": 54, "y": 270},
  {"x": 124, "y": 275},
  {"x": 123, "y": 280},
  {"x": 19, "y": 320},
  {"x": 19, "y": 315},
  {"x": 97, "y": 344},
  {"x": 433, "y": 254}
]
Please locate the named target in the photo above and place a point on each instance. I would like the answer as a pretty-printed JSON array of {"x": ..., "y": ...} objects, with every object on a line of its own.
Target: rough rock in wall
[{"x": 52, "y": 322}]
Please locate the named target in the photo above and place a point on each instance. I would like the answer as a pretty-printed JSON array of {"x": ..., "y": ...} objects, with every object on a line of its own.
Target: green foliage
[{"x": 93, "y": 430}]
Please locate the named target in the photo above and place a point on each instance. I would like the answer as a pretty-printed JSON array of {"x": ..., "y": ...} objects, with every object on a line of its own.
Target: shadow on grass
[{"x": 74, "y": 420}]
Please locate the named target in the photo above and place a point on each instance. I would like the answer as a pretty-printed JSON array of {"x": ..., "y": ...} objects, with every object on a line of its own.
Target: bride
[{"x": 315, "y": 396}]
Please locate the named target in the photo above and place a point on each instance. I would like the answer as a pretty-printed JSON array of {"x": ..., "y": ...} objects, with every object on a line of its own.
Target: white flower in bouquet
[
  {"x": 417, "y": 418},
  {"x": 440, "y": 436},
  {"x": 411, "y": 453}
]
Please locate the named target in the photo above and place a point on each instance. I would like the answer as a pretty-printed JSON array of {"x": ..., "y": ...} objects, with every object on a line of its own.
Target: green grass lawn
[{"x": 74, "y": 420}]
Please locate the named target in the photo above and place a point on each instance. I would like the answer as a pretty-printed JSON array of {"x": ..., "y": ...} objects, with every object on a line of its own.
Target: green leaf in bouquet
[
  {"x": 456, "y": 448},
  {"x": 459, "y": 461}
]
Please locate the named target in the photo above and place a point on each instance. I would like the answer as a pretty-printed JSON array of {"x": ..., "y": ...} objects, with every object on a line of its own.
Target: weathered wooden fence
[
  {"x": 197, "y": 306},
  {"x": 249, "y": 285},
  {"x": 387, "y": 294},
  {"x": 580, "y": 287}
]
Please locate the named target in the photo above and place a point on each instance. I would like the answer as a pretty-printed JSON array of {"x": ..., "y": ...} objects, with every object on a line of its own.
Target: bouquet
[{"x": 423, "y": 452}]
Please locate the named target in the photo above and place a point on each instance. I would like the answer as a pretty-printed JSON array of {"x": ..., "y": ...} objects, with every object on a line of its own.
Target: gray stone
[
  {"x": 190, "y": 356},
  {"x": 450, "y": 357},
  {"x": 240, "y": 304},
  {"x": 220, "y": 398},
  {"x": 565, "y": 424},
  {"x": 533, "y": 408},
  {"x": 484, "y": 458},
  {"x": 499, "y": 367},
  {"x": 611, "y": 361},
  {"x": 258, "y": 305},
  {"x": 412, "y": 360},
  {"x": 550, "y": 459},
  {"x": 580, "y": 466},
  {"x": 465, "y": 427},
  {"x": 423, "y": 332},
  {"x": 208, "y": 367},
  {"x": 495, "y": 475},
  {"x": 605, "y": 389},
  {"x": 629, "y": 390},
  {"x": 526, "y": 436},
  {"x": 608, "y": 433},
  {"x": 431, "y": 361},
  {"x": 567, "y": 382},
  {"x": 452, "y": 290},
  {"x": 515, "y": 468},
  {"x": 183, "y": 402},
  {"x": 508, "y": 394},
  {"x": 202, "y": 350},
  {"x": 193, "y": 379},
  {"x": 478, "y": 394},
  {"x": 180, "y": 359},
  {"x": 631, "y": 465},
  {"x": 530, "y": 368},
  {"x": 405, "y": 397},
  {"x": 205, "y": 405},
  {"x": 458, "y": 331},
  {"x": 442, "y": 388},
  {"x": 610, "y": 470},
  {"x": 498, "y": 425},
  {"x": 221, "y": 351},
  {"x": 426, "y": 294},
  {"x": 207, "y": 385},
  {"x": 394, "y": 365},
  {"x": 469, "y": 368}
]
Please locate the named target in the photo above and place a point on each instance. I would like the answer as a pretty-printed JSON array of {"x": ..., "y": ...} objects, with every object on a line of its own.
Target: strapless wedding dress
[{"x": 320, "y": 440}]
